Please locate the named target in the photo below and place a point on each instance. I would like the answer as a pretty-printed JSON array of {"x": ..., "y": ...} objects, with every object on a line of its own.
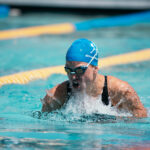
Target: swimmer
[{"x": 82, "y": 71}]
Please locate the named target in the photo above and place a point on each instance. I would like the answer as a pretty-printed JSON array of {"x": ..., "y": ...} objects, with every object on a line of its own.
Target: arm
[
  {"x": 124, "y": 97},
  {"x": 55, "y": 98},
  {"x": 132, "y": 102}
]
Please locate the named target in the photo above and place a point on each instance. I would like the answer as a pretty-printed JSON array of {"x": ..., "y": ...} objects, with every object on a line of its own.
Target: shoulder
[
  {"x": 125, "y": 97},
  {"x": 119, "y": 89},
  {"x": 117, "y": 84},
  {"x": 55, "y": 97},
  {"x": 59, "y": 91}
]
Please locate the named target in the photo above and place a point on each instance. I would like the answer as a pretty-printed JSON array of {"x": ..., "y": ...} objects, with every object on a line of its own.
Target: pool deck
[{"x": 100, "y": 4}]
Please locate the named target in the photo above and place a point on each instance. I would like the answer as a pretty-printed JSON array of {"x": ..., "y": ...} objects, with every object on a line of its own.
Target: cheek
[{"x": 89, "y": 76}]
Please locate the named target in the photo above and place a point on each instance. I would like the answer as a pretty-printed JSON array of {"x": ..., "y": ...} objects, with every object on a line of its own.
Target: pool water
[{"x": 21, "y": 124}]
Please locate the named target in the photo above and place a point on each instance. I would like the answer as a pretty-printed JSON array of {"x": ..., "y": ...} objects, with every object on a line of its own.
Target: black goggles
[{"x": 78, "y": 70}]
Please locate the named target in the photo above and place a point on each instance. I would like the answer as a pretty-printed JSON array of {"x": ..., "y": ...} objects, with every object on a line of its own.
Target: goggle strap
[{"x": 92, "y": 59}]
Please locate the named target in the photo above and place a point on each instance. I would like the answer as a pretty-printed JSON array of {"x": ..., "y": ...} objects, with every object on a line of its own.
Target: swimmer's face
[{"x": 80, "y": 81}]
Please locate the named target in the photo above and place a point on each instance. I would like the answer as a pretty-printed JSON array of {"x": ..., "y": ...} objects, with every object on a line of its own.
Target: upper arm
[
  {"x": 133, "y": 103},
  {"x": 124, "y": 97},
  {"x": 54, "y": 98}
]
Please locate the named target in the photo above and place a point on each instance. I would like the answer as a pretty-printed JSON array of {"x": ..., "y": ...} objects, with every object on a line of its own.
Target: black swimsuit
[{"x": 105, "y": 99}]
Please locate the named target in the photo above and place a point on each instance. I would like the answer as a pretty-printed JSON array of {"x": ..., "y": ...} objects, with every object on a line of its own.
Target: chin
[
  {"x": 79, "y": 89},
  {"x": 76, "y": 89}
]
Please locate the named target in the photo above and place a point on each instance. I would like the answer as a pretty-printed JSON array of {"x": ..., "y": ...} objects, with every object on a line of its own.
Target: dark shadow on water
[{"x": 83, "y": 118}]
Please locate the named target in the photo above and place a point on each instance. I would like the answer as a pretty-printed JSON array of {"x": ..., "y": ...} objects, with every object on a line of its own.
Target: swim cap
[{"x": 83, "y": 50}]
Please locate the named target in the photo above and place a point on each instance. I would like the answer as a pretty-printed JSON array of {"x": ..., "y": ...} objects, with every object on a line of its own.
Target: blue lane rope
[
  {"x": 123, "y": 20},
  {"x": 4, "y": 11}
]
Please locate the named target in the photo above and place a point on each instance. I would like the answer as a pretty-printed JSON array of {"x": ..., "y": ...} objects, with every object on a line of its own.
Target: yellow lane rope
[
  {"x": 127, "y": 58},
  {"x": 34, "y": 31},
  {"x": 25, "y": 77}
]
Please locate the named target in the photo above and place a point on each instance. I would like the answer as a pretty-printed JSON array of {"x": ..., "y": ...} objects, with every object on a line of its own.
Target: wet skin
[{"x": 121, "y": 94}]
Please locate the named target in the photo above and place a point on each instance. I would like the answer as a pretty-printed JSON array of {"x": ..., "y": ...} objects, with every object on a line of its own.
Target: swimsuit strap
[{"x": 105, "y": 99}]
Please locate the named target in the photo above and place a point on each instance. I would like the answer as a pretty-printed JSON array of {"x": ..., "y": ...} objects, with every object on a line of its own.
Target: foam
[
  {"x": 83, "y": 108},
  {"x": 84, "y": 104}
]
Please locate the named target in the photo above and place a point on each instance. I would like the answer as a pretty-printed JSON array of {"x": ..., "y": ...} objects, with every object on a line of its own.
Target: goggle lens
[{"x": 79, "y": 70}]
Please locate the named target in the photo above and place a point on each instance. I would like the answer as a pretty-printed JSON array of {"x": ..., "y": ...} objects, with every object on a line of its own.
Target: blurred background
[
  {"x": 100, "y": 4},
  {"x": 87, "y": 19},
  {"x": 15, "y": 7}
]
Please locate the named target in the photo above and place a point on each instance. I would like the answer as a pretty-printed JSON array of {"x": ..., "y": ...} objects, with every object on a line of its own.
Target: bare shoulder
[
  {"x": 59, "y": 91},
  {"x": 119, "y": 89},
  {"x": 55, "y": 97},
  {"x": 115, "y": 84},
  {"x": 125, "y": 97}
]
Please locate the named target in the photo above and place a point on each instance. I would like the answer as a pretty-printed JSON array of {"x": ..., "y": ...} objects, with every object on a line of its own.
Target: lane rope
[
  {"x": 38, "y": 30},
  {"x": 25, "y": 77},
  {"x": 66, "y": 28}
]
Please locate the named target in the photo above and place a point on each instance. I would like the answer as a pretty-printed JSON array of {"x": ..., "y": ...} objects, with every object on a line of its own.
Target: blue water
[{"x": 21, "y": 125}]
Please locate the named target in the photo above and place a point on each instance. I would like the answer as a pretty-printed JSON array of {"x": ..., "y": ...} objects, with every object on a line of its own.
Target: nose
[{"x": 73, "y": 76}]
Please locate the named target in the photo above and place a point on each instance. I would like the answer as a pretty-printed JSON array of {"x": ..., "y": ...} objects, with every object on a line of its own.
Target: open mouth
[{"x": 75, "y": 84}]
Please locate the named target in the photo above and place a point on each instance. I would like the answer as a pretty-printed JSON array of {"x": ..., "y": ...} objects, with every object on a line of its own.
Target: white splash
[{"x": 84, "y": 104}]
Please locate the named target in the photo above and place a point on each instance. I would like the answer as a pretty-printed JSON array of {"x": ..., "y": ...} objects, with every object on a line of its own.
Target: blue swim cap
[{"x": 83, "y": 50}]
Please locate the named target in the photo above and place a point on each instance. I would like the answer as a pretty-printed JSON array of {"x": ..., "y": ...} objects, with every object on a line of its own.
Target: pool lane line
[
  {"x": 66, "y": 28},
  {"x": 25, "y": 77},
  {"x": 120, "y": 20},
  {"x": 38, "y": 30},
  {"x": 126, "y": 58}
]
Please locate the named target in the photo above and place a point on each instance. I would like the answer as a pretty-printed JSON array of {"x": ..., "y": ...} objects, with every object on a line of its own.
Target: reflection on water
[{"x": 29, "y": 143}]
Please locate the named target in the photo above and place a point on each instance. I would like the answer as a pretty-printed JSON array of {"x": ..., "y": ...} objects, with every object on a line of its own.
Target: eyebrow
[{"x": 74, "y": 67}]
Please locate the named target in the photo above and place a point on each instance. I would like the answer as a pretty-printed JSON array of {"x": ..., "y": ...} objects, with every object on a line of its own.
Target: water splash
[
  {"x": 84, "y": 104},
  {"x": 83, "y": 108}
]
